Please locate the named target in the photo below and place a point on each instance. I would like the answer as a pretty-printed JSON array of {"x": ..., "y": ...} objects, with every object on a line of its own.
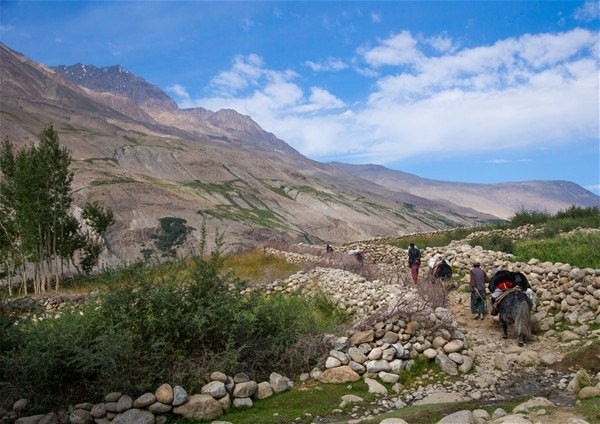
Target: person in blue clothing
[{"x": 479, "y": 280}]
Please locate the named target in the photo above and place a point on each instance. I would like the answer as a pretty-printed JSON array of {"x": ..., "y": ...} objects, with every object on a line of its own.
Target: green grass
[
  {"x": 581, "y": 250},
  {"x": 256, "y": 266},
  {"x": 316, "y": 399},
  {"x": 435, "y": 239},
  {"x": 590, "y": 409}
]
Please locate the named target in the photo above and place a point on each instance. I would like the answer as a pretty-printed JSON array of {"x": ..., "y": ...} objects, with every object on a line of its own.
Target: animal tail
[{"x": 522, "y": 320}]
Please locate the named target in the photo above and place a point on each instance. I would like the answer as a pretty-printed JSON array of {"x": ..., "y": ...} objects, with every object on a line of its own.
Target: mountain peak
[{"x": 117, "y": 80}]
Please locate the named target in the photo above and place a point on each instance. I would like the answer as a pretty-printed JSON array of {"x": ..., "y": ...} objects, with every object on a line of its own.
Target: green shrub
[
  {"x": 496, "y": 242},
  {"x": 156, "y": 325},
  {"x": 580, "y": 249},
  {"x": 524, "y": 217}
]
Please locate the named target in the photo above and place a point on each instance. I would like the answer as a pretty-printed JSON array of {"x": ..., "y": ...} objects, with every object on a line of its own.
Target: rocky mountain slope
[
  {"x": 135, "y": 151},
  {"x": 501, "y": 199}
]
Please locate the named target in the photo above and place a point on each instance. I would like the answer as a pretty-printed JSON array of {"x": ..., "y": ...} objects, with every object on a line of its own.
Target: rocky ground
[
  {"x": 540, "y": 376},
  {"x": 539, "y": 372}
]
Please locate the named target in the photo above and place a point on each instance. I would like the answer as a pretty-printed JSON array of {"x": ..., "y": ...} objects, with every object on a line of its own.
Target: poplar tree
[{"x": 37, "y": 226}]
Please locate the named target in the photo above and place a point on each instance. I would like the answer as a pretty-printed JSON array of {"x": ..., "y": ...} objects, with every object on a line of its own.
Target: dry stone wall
[{"x": 219, "y": 395}]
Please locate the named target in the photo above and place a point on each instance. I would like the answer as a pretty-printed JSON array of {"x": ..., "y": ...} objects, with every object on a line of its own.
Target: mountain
[
  {"x": 501, "y": 199},
  {"x": 135, "y": 151}
]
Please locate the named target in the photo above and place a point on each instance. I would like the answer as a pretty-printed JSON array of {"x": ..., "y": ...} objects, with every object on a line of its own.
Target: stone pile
[
  {"x": 387, "y": 348},
  {"x": 220, "y": 394}
]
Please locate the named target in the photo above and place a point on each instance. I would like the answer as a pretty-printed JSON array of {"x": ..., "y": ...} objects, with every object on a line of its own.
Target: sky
[{"x": 465, "y": 91}]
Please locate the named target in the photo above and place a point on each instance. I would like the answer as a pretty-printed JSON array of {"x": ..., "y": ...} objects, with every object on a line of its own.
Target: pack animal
[{"x": 515, "y": 309}]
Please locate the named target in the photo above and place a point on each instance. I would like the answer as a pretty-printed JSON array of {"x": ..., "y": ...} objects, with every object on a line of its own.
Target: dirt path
[{"x": 521, "y": 377}]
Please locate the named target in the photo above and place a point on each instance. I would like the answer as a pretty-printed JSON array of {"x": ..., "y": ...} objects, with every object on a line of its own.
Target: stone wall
[{"x": 219, "y": 395}]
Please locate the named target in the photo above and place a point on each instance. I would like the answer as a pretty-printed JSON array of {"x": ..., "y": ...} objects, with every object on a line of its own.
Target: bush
[
  {"x": 495, "y": 242},
  {"x": 157, "y": 325},
  {"x": 525, "y": 217},
  {"x": 580, "y": 249}
]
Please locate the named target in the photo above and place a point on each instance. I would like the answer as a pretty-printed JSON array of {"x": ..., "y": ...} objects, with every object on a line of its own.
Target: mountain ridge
[{"x": 220, "y": 169}]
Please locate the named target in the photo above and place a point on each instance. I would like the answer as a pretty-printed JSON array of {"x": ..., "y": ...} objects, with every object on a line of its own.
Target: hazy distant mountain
[
  {"x": 501, "y": 199},
  {"x": 135, "y": 151}
]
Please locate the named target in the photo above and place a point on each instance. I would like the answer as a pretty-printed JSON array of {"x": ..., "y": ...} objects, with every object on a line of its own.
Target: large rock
[
  {"x": 143, "y": 401},
  {"x": 462, "y": 417},
  {"x": 375, "y": 387},
  {"x": 33, "y": 419},
  {"x": 215, "y": 389},
  {"x": 159, "y": 408},
  {"x": 200, "y": 407},
  {"x": 164, "y": 393},
  {"x": 134, "y": 416},
  {"x": 98, "y": 411},
  {"x": 535, "y": 402},
  {"x": 589, "y": 392},
  {"x": 245, "y": 389},
  {"x": 265, "y": 390},
  {"x": 441, "y": 397},
  {"x": 356, "y": 355},
  {"x": 179, "y": 396},
  {"x": 125, "y": 402},
  {"x": 446, "y": 364},
  {"x": 81, "y": 416},
  {"x": 366, "y": 336},
  {"x": 280, "y": 383},
  {"x": 343, "y": 374},
  {"x": 378, "y": 366},
  {"x": 454, "y": 346}
]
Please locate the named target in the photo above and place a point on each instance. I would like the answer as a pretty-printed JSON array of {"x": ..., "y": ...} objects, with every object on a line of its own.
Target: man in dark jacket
[{"x": 414, "y": 262}]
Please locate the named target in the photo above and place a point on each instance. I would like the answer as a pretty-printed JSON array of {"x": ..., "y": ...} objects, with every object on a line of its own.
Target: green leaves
[{"x": 37, "y": 223}]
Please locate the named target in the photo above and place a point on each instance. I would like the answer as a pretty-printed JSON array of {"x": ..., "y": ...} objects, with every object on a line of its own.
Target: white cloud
[
  {"x": 179, "y": 91},
  {"x": 498, "y": 161},
  {"x": 376, "y": 17},
  {"x": 532, "y": 91},
  {"x": 441, "y": 43},
  {"x": 400, "y": 49},
  {"x": 588, "y": 12},
  {"x": 329, "y": 64}
]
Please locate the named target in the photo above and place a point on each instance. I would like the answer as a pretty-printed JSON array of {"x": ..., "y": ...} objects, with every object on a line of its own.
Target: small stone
[{"x": 164, "y": 393}]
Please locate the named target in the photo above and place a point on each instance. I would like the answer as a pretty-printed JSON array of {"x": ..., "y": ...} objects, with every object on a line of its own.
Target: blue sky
[{"x": 473, "y": 91}]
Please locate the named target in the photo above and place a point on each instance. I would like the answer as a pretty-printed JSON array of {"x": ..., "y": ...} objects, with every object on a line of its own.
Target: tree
[
  {"x": 35, "y": 207},
  {"x": 98, "y": 218}
]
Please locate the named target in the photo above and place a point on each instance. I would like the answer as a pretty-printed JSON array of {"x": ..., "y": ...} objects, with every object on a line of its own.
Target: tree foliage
[{"x": 38, "y": 232}]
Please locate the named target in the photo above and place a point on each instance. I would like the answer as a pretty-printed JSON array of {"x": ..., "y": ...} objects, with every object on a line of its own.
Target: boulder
[
  {"x": 33, "y": 419},
  {"x": 215, "y": 389},
  {"x": 81, "y": 416},
  {"x": 134, "y": 416},
  {"x": 159, "y": 408},
  {"x": 244, "y": 402},
  {"x": 124, "y": 403},
  {"x": 376, "y": 387},
  {"x": 245, "y": 389},
  {"x": 264, "y": 390},
  {"x": 280, "y": 383},
  {"x": 200, "y": 407},
  {"x": 98, "y": 411},
  {"x": 359, "y": 337},
  {"x": 536, "y": 402},
  {"x": 589, "y": 392},
  {"x": 446, "y": 364},
  {"x": 144, "y": 400},
  {"x": 179, "y": 396},
  {"x": 164, "y": 393},
  {"x": 463, "y": 417},
  {"x": 343, "y": 374}
]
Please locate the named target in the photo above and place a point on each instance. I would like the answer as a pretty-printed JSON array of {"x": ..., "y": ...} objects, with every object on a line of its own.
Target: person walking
[
  {"x": 414, "y": 262},
  {"x": 479, "y": 280}
]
